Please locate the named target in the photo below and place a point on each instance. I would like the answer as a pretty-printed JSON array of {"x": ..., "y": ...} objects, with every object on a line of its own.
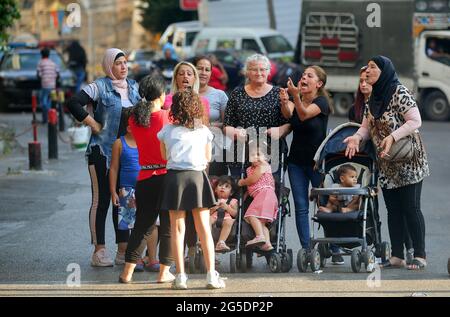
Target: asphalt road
[{"x": 44, "y": 234}]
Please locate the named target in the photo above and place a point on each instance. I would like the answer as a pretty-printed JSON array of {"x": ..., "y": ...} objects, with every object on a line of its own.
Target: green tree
[
  {"x": 9, "y": 12},
  {"x": 158, "y": 14}
]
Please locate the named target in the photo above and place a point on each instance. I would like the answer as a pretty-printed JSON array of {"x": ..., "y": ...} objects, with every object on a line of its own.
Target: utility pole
[{"x": 271, "y": 11}]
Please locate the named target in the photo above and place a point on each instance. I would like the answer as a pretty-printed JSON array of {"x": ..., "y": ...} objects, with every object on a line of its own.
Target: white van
[
  {"x": 183, "y": 35},
  {"x": 265, "y": 41}
]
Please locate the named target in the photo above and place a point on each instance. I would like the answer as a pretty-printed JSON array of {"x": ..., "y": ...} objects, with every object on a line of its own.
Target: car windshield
[
  {"x": 28, "y": 61},
  {"x": 276, "y": 44}
]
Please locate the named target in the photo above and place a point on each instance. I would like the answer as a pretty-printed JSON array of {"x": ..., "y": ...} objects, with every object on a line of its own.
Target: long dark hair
[
  {"x": 358, "y": 106},
  {"x": 151, "y": 87}
]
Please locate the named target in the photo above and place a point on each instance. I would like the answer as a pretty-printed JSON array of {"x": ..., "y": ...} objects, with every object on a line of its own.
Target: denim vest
[{"x": 108, "y": 113}]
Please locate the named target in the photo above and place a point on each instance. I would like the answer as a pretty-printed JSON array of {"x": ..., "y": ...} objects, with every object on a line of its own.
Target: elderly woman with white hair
[
  {"x": 256, "y": 105},
  {"x": 109, "y": 95}
]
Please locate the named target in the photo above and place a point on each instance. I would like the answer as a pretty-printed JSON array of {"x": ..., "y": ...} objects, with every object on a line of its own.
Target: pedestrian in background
[
  {"x": 77, "y": 62},
  {"x": 217, "y": 101},
  {"x": 48, "y": 73},
  {"x": 110, "y": 96}
]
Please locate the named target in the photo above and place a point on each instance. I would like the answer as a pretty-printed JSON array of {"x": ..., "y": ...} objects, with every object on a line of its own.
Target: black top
[
  {"x": 308, "y": 134},
  {"x": 244, "y": 111},
  {"x": 76, "y": 107}
]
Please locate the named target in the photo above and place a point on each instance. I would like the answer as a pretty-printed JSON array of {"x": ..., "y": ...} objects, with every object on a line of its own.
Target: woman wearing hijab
[
  {"x": 109, "y": 95},
  {"x": 392, "y": 114}
]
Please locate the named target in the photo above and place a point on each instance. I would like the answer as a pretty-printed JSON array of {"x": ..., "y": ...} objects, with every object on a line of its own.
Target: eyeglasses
[{"x": 261, "y": 70}]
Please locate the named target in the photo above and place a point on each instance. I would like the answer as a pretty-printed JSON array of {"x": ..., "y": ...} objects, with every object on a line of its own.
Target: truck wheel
[
  {"x": 342, "y": 103},
  {"x": 436, "y": 106}
]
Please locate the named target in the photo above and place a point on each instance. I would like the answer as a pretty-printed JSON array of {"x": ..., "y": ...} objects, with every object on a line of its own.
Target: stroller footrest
[{"x": 353, "y": 216}]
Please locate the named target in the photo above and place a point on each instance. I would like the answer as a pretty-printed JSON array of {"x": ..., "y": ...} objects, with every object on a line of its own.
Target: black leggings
[
  {"x": 101, "y": 197},
  {"x": 147, "y": 194},
  {"x": 403, "y": 204}
]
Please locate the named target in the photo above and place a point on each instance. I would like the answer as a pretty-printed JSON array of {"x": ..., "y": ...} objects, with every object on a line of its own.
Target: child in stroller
[
  {"x": 347, "y": 176},
  {"x": 264, "y": 207},
  {"x": 224, "y": 212}
]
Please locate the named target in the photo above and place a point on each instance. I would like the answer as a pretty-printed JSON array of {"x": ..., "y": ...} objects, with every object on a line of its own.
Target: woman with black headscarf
[{"x": 392, "y": 114}]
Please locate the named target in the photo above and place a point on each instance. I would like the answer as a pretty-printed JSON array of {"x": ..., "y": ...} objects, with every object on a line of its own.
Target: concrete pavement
[{"x": 44, "y": 236}]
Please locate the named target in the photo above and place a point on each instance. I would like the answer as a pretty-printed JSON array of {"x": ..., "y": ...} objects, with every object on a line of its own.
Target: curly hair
[{"x": 187, "y": 109}]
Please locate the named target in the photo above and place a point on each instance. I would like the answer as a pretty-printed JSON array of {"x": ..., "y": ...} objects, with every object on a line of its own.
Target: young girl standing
[
  {"x": 263, "y": 209},
  {"x": 186, "y": 144}
]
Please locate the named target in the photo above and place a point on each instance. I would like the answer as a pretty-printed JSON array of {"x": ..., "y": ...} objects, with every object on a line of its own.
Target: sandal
[
  {"x": 388, "y": 265},
  {"x": 417, "y": 265}
]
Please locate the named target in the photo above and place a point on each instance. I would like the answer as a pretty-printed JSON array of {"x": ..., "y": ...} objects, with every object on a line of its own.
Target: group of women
[{"x": 387, "y": 113}]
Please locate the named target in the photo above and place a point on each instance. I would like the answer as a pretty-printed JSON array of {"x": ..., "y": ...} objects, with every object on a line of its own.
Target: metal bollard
[
  {"x": 52, "y": 134},
  {"x": 34, "y": 148},
  {"x": 62, "y": 123}
]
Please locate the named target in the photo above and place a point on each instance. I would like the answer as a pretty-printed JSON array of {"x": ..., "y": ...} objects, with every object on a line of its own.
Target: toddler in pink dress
[{"x": 264, "y": 207}]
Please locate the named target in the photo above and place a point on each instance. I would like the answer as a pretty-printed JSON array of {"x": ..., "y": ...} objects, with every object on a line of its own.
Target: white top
[{"x": 185, "y": 148}]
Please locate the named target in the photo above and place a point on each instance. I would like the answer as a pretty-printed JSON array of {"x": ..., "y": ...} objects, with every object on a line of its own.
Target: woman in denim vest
[{"x": 109, "y": 95}]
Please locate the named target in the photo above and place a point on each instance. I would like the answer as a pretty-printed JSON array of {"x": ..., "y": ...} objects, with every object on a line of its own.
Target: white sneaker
[
  {"x": 101, "y": 258},
  {"x": 120, "y": 259},
  {"x": 180, "y": 281},
  {"x": 214, "y": 281}
]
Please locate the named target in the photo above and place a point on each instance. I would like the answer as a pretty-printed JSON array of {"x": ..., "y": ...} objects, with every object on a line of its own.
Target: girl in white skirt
[{"x": 186, "y": 144}]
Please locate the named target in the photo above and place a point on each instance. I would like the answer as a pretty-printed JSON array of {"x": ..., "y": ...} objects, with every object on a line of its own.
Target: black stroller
[
  {"x": 280, "y": 259},
  {"x": 350, "y": 230}
]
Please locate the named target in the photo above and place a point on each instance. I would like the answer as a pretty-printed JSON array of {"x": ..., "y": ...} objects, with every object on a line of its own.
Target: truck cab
[
  {"x": 182, "y": 34},
  {"x": 433, "y": 72}
]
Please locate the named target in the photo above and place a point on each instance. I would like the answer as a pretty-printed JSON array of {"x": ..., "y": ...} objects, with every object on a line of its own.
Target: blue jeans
[
  {"x": 300, "y": 178},
  {"x": 45, "y": 102},
  {"x": 80, "y": 74}
]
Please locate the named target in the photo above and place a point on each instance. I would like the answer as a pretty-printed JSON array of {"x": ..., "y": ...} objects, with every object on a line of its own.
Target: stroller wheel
[
  {"x": 249, "y": 256},
  {"x": 385, "y": 251},
  {"x": 242, "y": 262},
  {"x": 275, "y": 262},
  {"x": 448, "y": 266},
  {"x": 191, "y": 264},
  {"x": 302, "y": 260},
  {"x": 356, "y": 260},
  {"x": 323, "y": 251},
  {"x": 232, "y": 263},
  {"x": 315, "y": 260},
  {"x": 369, "y": 261},
  {"x": 291, "y": 258},
  {"x": 286, "y": 262}
]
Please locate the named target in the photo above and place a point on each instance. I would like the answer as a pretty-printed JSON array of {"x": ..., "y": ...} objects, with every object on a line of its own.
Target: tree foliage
[
  {"x": 9, "y": 12},
  {"x": 158, "y": 14}
]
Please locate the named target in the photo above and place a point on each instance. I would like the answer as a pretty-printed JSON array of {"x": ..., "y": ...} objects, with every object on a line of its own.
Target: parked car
[
  {"x": 141, "y": 63},
  {"x": 234, "y": 62},
  {"x": 265, "y": 41},
  {"x": 183, "y": 35},
  {"x": 18, "y": 77}
]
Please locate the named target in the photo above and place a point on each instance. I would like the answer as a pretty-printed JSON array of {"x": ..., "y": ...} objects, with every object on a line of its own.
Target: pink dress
[{"x": 265, "y": 201}]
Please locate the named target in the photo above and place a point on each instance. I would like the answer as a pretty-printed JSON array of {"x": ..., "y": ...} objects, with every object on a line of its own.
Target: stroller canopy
[{"x": 334, "y": 143}]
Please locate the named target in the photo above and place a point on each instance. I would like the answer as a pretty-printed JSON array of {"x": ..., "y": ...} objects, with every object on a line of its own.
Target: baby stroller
[
  {"x": 359, "y": 228},
  {"x": 280, "y": 259}
]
